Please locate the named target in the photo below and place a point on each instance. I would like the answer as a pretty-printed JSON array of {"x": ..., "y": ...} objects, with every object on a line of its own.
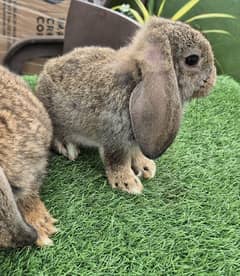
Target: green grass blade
[
  {"x": 151, "y": 6},
  {"x": 160, "y": 10},
  {"x": 216, "y": 31},
  {"x": 123, "y": 8},
  {"x": 115, "y": 8},
  {"x": 137, "y": 16},
  {"x": 219, "y": 65},
  {"x": 185, "y": 9},
  {"x": 210, "y": 15},
  {"x": 143, "y": 9}
]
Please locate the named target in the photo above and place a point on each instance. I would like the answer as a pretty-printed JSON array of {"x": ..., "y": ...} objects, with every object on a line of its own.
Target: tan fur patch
[{"x": 36, "y": 214}]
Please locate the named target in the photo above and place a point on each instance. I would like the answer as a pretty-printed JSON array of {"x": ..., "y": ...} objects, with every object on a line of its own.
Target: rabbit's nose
[{"x": 26, "y": 236}]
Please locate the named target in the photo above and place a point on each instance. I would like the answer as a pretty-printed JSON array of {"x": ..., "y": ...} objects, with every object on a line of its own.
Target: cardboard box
[
  {"x": 28, "y": 18},
  {"x": 23, "y": 19}
]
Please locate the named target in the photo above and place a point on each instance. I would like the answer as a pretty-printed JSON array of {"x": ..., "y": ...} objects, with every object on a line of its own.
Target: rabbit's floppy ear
[{"x": 155, "y": 105}]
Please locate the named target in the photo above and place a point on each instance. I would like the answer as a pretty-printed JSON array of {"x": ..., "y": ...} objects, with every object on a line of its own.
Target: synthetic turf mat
[{"x": 185, "y": 223}]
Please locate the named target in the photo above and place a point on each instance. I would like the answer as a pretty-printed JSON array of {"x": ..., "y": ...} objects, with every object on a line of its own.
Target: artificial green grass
[{"x": 186, "y": 222}]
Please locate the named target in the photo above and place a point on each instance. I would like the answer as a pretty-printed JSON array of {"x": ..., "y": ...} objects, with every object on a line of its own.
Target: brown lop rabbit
[
  {"x": 25, "y": 137},
  {"x": 128, "y": 102}
]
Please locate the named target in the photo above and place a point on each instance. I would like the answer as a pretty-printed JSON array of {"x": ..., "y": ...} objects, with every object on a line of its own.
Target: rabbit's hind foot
[
  {"x": 69, "y": 150},
  {"x": 36, "y": 214}
]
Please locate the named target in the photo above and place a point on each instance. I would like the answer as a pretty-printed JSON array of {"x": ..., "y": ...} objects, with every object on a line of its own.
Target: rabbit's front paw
[
  {"x": 142, "y": 166},
  {"x": 36, "y": 214},
  {"x": 70, "y": 151},
  {"x": 124, "y": 179}
]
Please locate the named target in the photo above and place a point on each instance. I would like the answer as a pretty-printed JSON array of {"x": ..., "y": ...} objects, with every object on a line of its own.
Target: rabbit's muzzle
[{"x": 206, "y": 85}]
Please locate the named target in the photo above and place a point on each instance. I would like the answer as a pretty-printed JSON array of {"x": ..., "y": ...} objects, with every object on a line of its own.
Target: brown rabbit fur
[
  {"x": 25, "y": 137},
  {"x": 129, "y": 102}
]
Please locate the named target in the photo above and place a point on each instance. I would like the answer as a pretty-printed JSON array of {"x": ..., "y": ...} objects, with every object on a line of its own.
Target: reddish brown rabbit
[
  {"x": 129, "y": 102},
  {"x": 25, "y": 136}
]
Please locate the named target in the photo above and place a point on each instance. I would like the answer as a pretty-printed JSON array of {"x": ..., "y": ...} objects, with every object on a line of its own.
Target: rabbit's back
[
  {"x": 83, "y": 70},
  {"x": 25, "y": 132},
  {"x": 83, "y": 91}
]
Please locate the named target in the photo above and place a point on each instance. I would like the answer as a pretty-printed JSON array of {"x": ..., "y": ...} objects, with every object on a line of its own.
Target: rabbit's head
[
  {"x": 176, "y": 63},
  {"x": 193, "y": 61},
  {"x": 14, "y": 231}
]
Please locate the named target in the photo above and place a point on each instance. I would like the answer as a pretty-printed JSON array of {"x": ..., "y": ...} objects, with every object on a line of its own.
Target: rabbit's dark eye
[{"x": 192, "y": 60}]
